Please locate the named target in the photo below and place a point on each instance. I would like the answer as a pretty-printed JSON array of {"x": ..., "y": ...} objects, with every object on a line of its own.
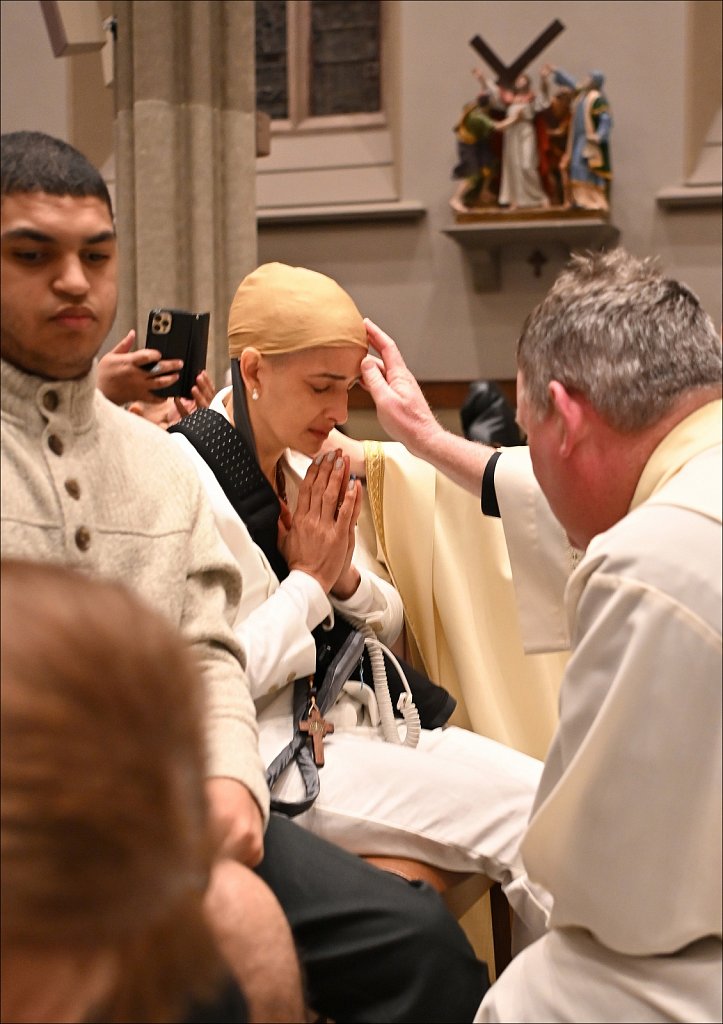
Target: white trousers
[
  {"x": 458, "y": 801},
  {"x": 568, "y": 976}
]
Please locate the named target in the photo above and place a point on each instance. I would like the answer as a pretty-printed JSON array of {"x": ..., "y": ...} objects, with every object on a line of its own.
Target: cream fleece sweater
[{"x": 90, "y": 485}]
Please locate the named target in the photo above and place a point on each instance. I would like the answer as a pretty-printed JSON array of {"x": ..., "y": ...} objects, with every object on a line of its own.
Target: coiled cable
[{"x": 405, "y": 704}]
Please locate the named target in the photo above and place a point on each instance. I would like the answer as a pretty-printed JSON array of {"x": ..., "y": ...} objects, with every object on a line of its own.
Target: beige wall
[
  {"x": 63, "y": 96},
  {"x": 414, "y": 280},
  {"x": 410, "y": 277},
  {"x": 34, "y": 90}
]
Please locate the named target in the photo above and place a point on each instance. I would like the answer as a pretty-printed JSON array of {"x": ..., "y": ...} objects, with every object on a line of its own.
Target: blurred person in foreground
[{"x": 106, "y": 849}]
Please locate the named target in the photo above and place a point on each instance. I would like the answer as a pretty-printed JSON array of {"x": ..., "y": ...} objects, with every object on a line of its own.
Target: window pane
[
  {"x": 344, "y": 57},
  {"x": 271, "y": 82}
]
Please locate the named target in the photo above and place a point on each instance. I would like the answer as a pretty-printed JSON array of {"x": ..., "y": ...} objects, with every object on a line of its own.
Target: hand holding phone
[
  {"x": 177, "y": 334},
  {"x": 123, "y": 376}
]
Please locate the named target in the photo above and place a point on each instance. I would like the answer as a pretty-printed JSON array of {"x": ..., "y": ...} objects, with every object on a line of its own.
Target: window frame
[
  {"x": 340, "y": 162},
  {"x": 298, "y": 79}
]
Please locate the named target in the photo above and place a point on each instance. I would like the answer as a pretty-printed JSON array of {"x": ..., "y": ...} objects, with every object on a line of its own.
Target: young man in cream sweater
[{"x": 87, "y": 484}]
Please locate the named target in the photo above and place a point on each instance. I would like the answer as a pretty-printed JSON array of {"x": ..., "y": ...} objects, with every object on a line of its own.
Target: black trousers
[{"x": 373, "y": 947}]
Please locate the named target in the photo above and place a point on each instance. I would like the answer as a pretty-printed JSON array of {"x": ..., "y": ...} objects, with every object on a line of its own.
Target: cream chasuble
[
  {"x": 451, "y": 568},
  {"x": 626, "y": 830}
]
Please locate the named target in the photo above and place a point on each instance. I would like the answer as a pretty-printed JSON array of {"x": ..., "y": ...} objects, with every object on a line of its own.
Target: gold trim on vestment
[{"x": 374, "y": 462}]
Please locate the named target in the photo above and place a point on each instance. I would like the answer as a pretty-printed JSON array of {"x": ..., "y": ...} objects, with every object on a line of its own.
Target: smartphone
[{"x": 178, "y": 334}]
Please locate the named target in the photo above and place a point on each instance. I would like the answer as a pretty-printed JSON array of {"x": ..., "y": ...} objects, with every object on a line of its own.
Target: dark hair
[{"x": 35, "y": 162}]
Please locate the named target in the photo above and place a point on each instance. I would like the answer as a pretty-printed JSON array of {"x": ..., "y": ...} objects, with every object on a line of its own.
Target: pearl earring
[{"x": 255, "y": 394}]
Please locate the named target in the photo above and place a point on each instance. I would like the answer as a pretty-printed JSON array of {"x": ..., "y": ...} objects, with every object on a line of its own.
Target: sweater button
[
  {"x": 82, "y": 538},
  {"x": 55, "y": 444},
  {"x": 50, "y": 400},
  {"x": 73, "y": 488}
]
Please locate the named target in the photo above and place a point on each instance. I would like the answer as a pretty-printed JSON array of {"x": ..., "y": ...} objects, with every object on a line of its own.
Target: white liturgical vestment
[{"x": 626, "y": 827}]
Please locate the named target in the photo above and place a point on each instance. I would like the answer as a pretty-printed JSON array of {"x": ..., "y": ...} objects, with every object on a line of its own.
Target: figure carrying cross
[{"x": 520, "y": 185}]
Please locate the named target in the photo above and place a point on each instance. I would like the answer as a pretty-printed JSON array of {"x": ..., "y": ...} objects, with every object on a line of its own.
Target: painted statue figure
[
  {"x": 520, "y": 184},
  {"x": 587, "y": 158},
  {"x": 556, "y": 117},
  {"x": 477, "y": 170}
]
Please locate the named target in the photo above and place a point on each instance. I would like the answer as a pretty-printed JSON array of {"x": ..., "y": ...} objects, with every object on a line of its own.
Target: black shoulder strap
[
  {"x": 338, "y": 649},
  {"x": 235, "y": 467}
]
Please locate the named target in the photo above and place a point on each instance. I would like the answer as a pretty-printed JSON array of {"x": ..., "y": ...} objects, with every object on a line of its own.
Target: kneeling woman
[{"x": 455, "y": 800}]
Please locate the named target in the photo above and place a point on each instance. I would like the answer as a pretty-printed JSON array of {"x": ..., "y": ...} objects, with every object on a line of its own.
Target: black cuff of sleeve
[{"x": 489, "y": 494}]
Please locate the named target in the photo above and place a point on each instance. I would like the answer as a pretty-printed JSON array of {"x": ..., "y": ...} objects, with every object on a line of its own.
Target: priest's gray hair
[{"x": 630, "y": 340}]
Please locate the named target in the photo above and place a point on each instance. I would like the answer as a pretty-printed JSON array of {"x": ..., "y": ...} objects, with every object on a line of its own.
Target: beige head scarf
[{"x": 283, "y": 309}]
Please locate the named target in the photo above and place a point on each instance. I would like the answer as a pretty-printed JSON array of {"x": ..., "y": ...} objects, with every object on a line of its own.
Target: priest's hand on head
[{"x": 402, "y": 409}]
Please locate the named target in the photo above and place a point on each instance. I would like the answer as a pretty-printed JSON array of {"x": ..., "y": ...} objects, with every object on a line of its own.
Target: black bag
[{"x": 488, "y": 417}]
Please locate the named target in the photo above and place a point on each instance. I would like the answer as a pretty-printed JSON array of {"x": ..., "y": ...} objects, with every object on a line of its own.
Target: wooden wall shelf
[
  {"x": 283, "y": 216},
  {"x": 483, "y": 240},
  {"x": 690, "y": 197}
]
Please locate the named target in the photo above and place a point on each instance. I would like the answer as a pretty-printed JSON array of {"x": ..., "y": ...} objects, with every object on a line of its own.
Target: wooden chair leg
[{"x": 501, "y": 928}]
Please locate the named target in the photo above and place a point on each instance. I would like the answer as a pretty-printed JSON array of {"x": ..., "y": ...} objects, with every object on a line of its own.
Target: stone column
[{"x": 186, "y": 154}]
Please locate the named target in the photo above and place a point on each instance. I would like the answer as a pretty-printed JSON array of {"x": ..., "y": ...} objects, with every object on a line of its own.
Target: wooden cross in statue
[
  {"x": 508, "y": 73},
  {"x": 317, "y": 728}
]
